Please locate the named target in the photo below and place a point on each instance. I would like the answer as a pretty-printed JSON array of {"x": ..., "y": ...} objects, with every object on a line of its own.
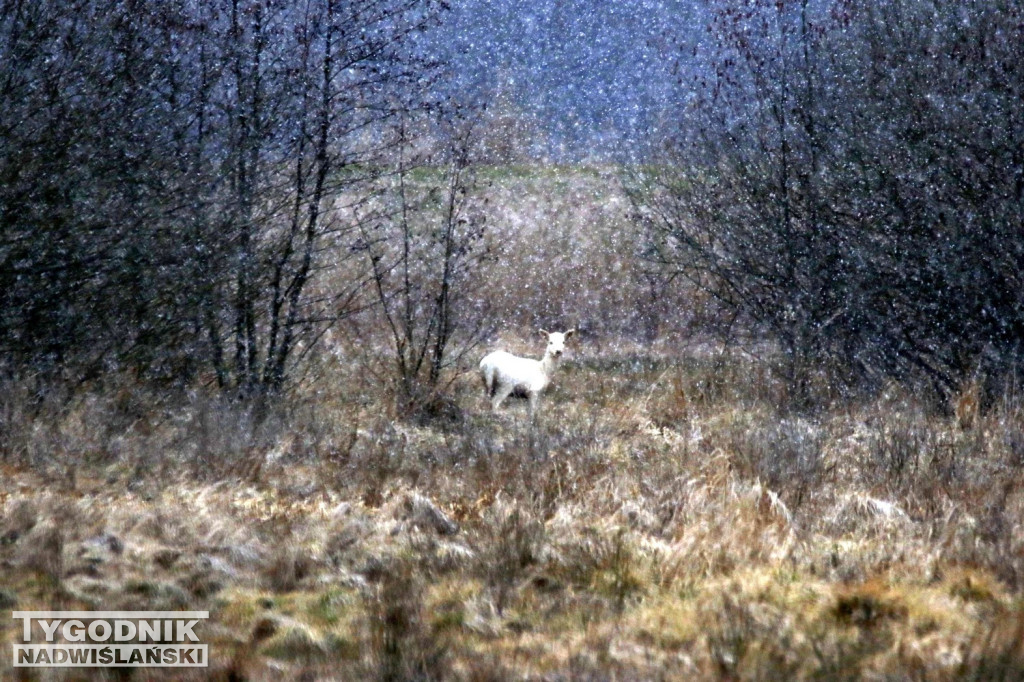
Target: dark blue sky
[{"x": 596, "y": 74}]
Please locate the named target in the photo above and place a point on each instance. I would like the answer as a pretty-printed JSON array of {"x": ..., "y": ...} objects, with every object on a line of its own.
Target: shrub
[{"x": 849, "y": 182}]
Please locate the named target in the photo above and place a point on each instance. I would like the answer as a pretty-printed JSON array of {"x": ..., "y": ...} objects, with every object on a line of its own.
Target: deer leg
[{"x": 500, "y": 393}]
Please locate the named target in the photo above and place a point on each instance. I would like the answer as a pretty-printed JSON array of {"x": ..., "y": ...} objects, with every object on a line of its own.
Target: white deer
[{"x": 505, "y": 374}]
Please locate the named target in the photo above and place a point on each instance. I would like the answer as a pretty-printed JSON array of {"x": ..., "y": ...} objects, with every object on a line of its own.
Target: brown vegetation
[
  {"x": 669, "y": 518},
  {"x": 678, "y": 513}
]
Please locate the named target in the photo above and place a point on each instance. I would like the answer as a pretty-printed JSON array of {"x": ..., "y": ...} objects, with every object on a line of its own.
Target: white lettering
[
  {"x": 48, "y": 630},
  {"x": 94, "y": 628},
  {"x": 185, "y": 629},
  {"x": 74, "y": 631},
  {"x": 124, "y": 630},
  {"x": 149, "y": 630}
]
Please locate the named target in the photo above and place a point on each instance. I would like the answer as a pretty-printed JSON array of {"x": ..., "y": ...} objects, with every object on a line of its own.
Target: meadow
[{"x": 674, "y": 513}]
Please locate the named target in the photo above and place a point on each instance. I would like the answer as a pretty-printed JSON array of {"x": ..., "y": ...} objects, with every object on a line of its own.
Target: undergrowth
[{"x": 667, "y": 517}]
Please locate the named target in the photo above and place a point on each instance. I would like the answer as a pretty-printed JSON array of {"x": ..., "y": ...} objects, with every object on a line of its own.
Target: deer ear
[{"x": 570, "y": 333}]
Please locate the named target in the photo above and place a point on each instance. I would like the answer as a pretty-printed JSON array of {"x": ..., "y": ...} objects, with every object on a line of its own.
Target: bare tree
[
  {"x": 171, "y": 174},
  {"x": 421, "y": 247},
  {"x": 334, "y": 84},
  {"x": 854, "y": 188}
]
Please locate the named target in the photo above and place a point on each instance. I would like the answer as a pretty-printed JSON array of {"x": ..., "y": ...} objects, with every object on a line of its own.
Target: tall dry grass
[
  {"x": 679, "y": 510},
  {"x": 669, "y": 517}
]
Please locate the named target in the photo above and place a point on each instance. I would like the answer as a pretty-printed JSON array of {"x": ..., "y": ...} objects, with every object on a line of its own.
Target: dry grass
[
  {"x": 666, "y": 519},
  {"x": 676, "y": 513}
]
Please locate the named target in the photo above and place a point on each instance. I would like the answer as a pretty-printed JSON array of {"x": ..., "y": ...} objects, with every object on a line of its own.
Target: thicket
[
  {"x": 201, "y": 192},
  {"x": 173, "y": 178},
  {"x": 848, "y": 179}
]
